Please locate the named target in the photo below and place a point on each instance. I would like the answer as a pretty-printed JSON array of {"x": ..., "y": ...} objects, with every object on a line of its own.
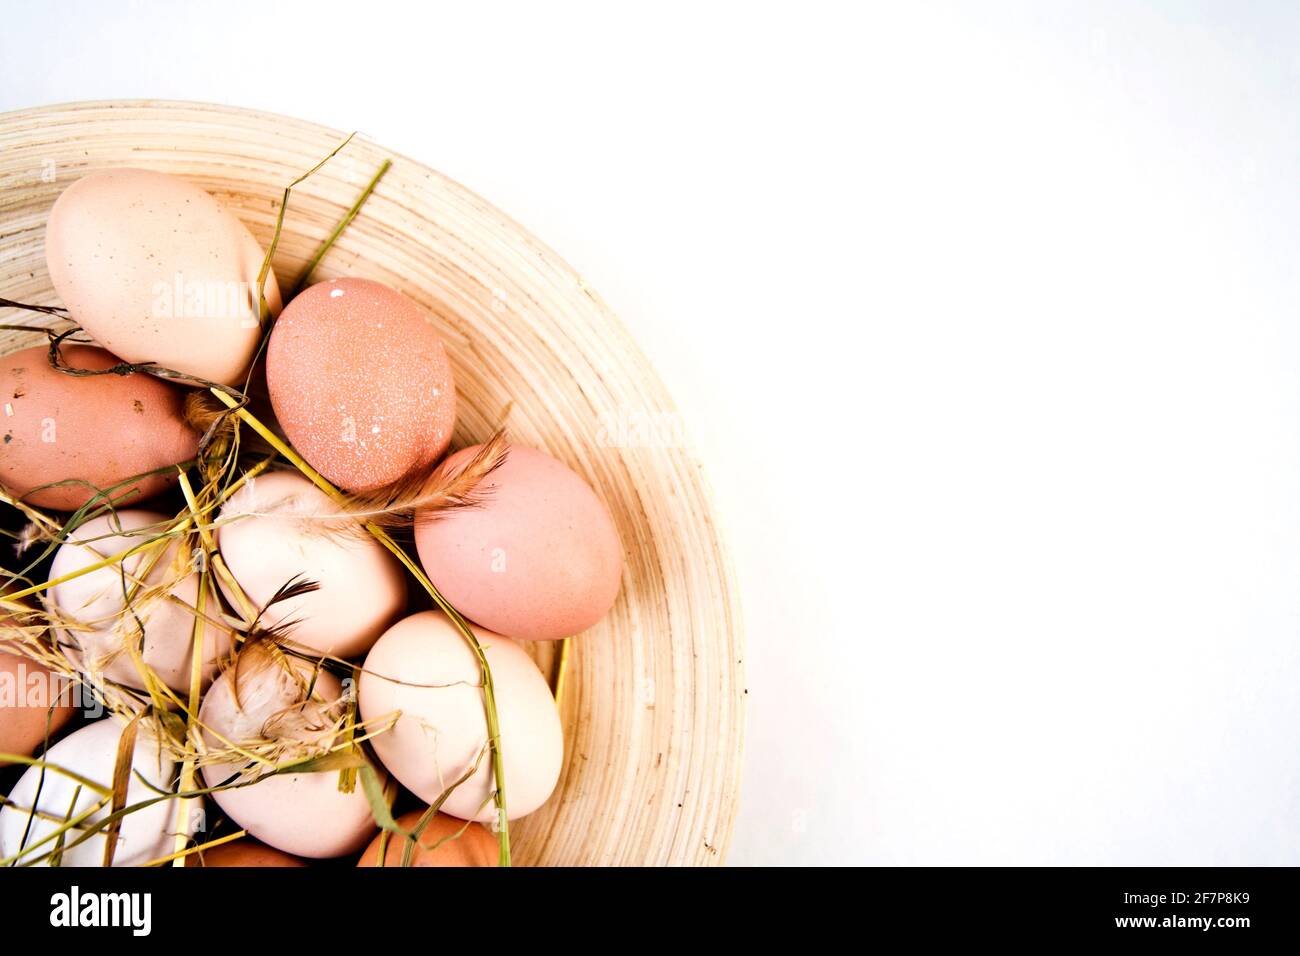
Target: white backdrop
[{"x": 983, "y": 319}]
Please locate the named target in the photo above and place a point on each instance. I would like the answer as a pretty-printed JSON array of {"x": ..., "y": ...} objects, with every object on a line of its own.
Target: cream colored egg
[
  {"x": 156, "y": 271},
  {"x": 91, "y": 752},
  {"x": 300, "y": 813},
  {"x": 164, "y": 589},
  {"x": 281, "y": 526},
  {"x": 423, "y": 668}
]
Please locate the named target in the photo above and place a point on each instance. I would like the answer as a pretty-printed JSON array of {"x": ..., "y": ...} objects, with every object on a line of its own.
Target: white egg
[
  {"x": 423, "y": 668},
  {"x": 300, "y": 813},
  {"x": 91, "y": 753},
  {"x": 281, "y": 526},
  {"x": 91, "y": 606}
]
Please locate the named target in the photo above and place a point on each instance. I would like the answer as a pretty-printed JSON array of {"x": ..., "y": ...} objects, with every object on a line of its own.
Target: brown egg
[
  {"x": 242, "y": 852},
  {"x": 100, "y": 429},
  {"x": 27, "y": 691},
  {"x": 360, "y": 383},
  {"x": 475, "y": 847}
]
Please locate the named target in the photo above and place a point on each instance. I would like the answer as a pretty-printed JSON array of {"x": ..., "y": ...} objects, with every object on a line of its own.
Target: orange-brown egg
[
  {"x": 360, "y": 382},
  {"x": 446, "y": 841},
  {"x": 32, "y": 704},
  {"x": 34, "y": 701},
  {"x": 242, "y": 852},
  {"x": 91, "y": 431}
]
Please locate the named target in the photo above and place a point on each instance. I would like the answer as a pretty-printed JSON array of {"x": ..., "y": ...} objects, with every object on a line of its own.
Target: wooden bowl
[{"x": 654, "y": 708}]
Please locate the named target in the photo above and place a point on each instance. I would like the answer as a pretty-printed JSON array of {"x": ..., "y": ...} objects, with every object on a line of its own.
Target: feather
[
  {"x": 263, "y": 645},
  {"x": 429, "y": 493}
]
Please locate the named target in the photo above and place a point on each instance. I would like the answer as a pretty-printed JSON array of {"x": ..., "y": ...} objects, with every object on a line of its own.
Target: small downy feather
[
  {"x": 32, "y": 534},
  {"x": 263, "y": 645},
  {"x": 207, "y": 417},
  {"x": 277, "y": 700}
]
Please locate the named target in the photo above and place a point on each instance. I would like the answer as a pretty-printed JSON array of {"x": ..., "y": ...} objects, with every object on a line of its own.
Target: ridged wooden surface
[{"x": 654, "y": 712}]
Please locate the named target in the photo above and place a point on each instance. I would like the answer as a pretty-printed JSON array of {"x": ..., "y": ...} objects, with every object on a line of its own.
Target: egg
[
  {"x": 423, "y": 668},
  {"x": 91, "y": 431},
  {"x": 90, "y": 607},
  {"x": 441, "y": 843},
  {"x": 91, "y": 752},
  {"x": 538, "y": 558},
  {"x": 156, "y": 271},
  {"x": 242, "y": 852},
  {"x": 361, "y": 383},
  {"x": 34, "y": 701},
  {"x": 301, "y": 813},
  {"x": 280, "y": 526}
]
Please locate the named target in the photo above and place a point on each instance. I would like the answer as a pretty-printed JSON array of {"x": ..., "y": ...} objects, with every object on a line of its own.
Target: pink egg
[
  {"x": 538, "y": 559},
  {"x": 360, "y": 383}
]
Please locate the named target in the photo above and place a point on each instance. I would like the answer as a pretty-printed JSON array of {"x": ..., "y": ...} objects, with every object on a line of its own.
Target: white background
[{"x": 983, "y": 319}]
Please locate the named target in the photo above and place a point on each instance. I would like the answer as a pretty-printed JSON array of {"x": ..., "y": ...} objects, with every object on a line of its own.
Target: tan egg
[
  {"x": 35, "y": 703},
  {"x": 90, "y": 607},
  {"x": 423, "y": 668},
  {"x": 361, "y": 383},
  {"x": 538, "y": 559},
  {"x": 301, "y": 813},
  {"x": 92, "y": 431},
  {"x": 281, "y": 526},
  {"x": 145, "y": 834},
  {"x": 242, "y": 852},
  {"x": 446, "y": 841},
  {"x": 156, "y": 271}
]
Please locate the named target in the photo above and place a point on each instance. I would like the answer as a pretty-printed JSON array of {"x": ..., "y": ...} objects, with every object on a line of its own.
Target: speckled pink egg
[
  {"x": 93, "y": 431},
  {"x": 361, "y": 383},
  {"x": 424, "y": 670},
  {"x": 537, "y": 559},
  {"x": 157, "y": 271}
]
